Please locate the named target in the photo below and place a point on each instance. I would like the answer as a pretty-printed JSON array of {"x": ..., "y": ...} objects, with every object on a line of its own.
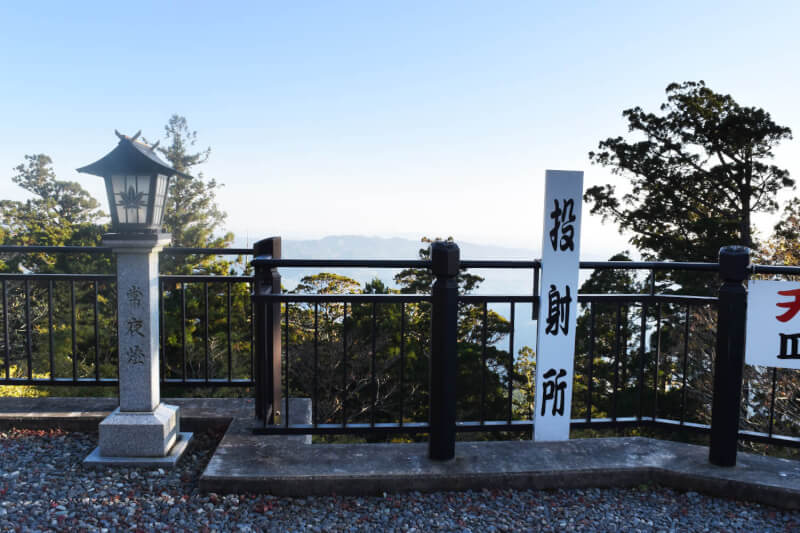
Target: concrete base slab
[
  {"x": 95, "y": 459},
  {"x": 250, "y": 463},
  {"x": 285, "y": 465}
]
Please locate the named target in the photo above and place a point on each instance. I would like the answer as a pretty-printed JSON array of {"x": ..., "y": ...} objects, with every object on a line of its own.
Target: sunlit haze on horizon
[{"x": 403, "y": 119}]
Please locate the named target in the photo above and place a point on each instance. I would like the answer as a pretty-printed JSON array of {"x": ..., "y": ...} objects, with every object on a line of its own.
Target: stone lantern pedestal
[{"x": 142, "y": 430}]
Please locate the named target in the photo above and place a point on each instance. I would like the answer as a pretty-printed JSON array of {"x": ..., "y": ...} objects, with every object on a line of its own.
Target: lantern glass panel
[
  {"x": 131, "y": 197},
  {"x": 160, "y": 198}
]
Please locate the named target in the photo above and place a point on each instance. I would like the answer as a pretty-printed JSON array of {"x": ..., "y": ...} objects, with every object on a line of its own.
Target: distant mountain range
[
  {"x": 362, "y": 247},
  {"x": 496, "y": 281}
]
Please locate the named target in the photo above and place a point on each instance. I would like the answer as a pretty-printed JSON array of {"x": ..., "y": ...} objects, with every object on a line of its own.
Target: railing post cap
[
  {"x": 733, "y": 262},
  {"x": 270, "y": 246},
  {"x": 445, "y": 258}
]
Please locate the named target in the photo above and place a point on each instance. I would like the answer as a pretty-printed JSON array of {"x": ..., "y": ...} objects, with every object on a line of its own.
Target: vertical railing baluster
[
  {"x": 658, "y": 361},
  {"x": 28, "y": 336},
  {"x": 685, "y": 364},
  {"x": 51, "y": 339},
  {"x": 640, "y": 382},
  {"x": 510, "y": 368},
  {"x": 6, "y": 336},
  {"x": 402, "y": 360},
  {"x": 251, "y": 312},
  {"x": 344, "y": 366},
  {"x": 316, "y": 365},
  {"x": 183, "y": 330},
  {"x": 374, "y": 382},
  {"x": 617, "y": 334},
  {"x": 590, "y": 370},
  {"x": 286, "y": 376},
  {"x": 483, "y": 361},
  {"x": 162, "y": 330},
  {"x": 205, "y": 321},
  {"x": 229, "y": 331},
  {"x": 772, "y": 399},
  {"x": 535, "y": 304},
  {"x": 624, "y": 355},
  {"x": 96, "y": 333},
  {"x": 74, "y": 333}
]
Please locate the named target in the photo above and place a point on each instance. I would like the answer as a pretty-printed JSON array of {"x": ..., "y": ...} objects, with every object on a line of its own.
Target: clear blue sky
[{"x": 378, "y": 118}]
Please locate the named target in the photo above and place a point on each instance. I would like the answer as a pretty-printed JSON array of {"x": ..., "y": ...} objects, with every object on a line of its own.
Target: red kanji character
[{"x": 793, "y": 307}]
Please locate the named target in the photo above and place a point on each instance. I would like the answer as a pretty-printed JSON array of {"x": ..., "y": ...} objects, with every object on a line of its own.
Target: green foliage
[
  {"x": 59, "y": 213},
  {"x": 62, "y": 213},
  {"x": 783, "y": 247},
  {"x": 698, "y": 172},
  {"x": 697, "y": 175},
  {"x": 371, "y": 361},
  {"x": 192, "y": 215}
]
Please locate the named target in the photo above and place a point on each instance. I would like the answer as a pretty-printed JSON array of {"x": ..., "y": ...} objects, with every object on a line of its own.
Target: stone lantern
[{"x": 142, "y": 430}]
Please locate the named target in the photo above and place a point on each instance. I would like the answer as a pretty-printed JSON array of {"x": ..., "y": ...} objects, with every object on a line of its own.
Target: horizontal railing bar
[
  {"x": 113, "y": 277},
  {"x": 61, "y": 382},
  {"x": 677, "y": 423},
  {"x": 494, "y": 425},
  {"x": 339, "y": 429},
  {"x": 60, "y": 277},
  {"x": 497, "y": 298},
  {"x": 757, "y": 436},
  {"x": 501, "y": 263},
  {"x": 401, "y": 263},
  {"x": 269, "y": 262},
  {"x": 8, "y": 248},
  {"x": 648, "y": 265},
  {"x": 203, "y": 381},
  {"x": 775, "y": 269},
  {"x": 355, "y": 298},
  {"x": 390, "y": 427},
  {"x": 581, "y": 423},
  {"x": 515, "y": 425},
  {"x": 206, "y": 251},
  {"x": 648, "y": 298},
  {"x": 474, "y": 298},
  {"x": 107, "y": 250},
  {"x": 188, "y": 278}
]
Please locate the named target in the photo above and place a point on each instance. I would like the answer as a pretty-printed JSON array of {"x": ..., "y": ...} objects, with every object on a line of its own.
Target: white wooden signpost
[
  {"x": 558, "y": 304},
  {"x": 772, "y": 336}
]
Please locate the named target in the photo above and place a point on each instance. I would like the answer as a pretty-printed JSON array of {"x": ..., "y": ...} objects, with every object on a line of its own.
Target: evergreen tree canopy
[
  {"x": 699, "y": 173},
  {"x": 59, "y": 213},
  {"x": 192, "y": 215}
]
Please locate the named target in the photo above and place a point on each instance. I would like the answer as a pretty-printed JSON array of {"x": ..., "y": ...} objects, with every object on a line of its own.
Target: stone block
[
  {"x": 143, "y": 434},
  {"x": 97, "y": 460}
]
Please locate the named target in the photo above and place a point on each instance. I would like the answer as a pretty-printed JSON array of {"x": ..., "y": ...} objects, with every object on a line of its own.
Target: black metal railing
[
  {"x": 642, "y": 359},
  {"x": 60, "y": 329},
  {"x": 647, "y": 386}
]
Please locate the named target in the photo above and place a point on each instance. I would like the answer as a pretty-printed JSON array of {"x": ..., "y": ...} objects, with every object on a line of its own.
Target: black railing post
[
  {"x": 445, "y": 263},
  {"x": 733, "y": 264},
  {"x": 267, "y": 317}
]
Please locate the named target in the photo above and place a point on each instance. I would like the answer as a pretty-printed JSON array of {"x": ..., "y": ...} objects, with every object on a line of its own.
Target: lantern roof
[{"x": 131, "y": 157}]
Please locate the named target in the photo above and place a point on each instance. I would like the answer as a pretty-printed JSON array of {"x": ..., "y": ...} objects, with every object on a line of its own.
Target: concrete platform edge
[{"x": 766, "y": 480}]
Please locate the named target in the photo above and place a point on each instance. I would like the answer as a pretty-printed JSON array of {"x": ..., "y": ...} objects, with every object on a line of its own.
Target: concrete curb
[{"x": 287, "y": 466}]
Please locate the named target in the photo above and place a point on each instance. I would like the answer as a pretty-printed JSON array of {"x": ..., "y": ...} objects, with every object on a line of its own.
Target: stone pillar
[{"x": 141, "y": 430}]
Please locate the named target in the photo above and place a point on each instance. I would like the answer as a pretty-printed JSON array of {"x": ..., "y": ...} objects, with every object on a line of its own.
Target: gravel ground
[{"x": 43, "y": 487}]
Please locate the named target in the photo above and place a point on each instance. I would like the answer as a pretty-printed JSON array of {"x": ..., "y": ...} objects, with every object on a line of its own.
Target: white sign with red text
[
  {"x": 773, "y": 324},
  {"x": 558, "y": 305}
]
